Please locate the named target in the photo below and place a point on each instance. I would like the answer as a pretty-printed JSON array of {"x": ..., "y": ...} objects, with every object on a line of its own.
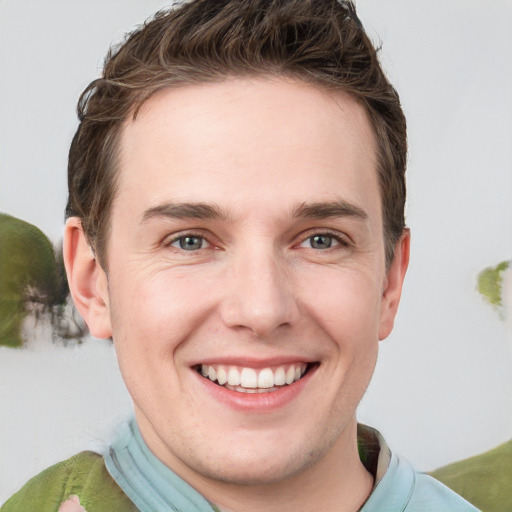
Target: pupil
[
  {"x": 189, "y": 243},
  {"x": 321, "y": 241}
]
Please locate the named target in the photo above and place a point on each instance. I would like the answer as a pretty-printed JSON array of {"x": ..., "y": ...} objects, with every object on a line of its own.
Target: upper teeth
[{"x": 252, "y": 378}]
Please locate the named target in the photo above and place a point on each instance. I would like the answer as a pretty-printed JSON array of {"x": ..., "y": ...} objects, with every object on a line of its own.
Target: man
[{"x": 235, "y": 225}]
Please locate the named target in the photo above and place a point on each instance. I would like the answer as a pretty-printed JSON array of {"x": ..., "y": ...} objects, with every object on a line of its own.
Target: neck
[{"x": 338, "y": 482}]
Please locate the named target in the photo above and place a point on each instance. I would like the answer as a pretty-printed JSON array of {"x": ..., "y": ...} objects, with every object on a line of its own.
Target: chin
[
  {"x": 261, "y": 465},
  {"x": 254, "y": 474}
]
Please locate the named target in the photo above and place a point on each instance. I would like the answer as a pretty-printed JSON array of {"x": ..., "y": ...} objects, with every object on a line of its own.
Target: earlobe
[
  {"x": 393, "y": 284},
  {"x": 87, "y": 280}
]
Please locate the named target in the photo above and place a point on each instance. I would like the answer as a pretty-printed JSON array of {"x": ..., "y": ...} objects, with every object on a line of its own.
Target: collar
[
  {"x": 373, "y": 452},
  {"x": 149, "y": 483}
]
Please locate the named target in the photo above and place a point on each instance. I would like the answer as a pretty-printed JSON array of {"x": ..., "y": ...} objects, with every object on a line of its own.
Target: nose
[{"x": 259, "y": 294}]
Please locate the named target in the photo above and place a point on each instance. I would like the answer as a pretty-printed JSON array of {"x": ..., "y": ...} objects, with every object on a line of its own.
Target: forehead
[{"x": 247, "y": 139}]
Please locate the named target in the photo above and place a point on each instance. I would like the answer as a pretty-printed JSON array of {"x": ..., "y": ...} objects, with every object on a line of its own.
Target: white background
[{"x": 443, "y": 386}]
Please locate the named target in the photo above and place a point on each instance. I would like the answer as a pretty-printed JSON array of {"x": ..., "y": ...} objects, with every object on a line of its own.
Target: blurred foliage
[
  {"x": 490, "y": 281},
  {"x": 30, "y": 276},
  {"x": 484, "y": 480}
]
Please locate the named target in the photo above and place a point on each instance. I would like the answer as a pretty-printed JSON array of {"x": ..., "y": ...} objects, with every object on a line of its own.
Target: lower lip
[{"x": 257, "y": 402}]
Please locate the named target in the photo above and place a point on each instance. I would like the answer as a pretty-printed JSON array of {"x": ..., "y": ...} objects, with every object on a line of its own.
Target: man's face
[{"x": 246, "y": 249}]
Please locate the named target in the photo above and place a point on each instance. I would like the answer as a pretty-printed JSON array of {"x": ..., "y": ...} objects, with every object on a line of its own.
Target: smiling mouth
[{"x": 251, "y": 380}]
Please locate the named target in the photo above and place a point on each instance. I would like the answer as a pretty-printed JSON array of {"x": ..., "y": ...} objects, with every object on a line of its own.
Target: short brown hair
[{"x": 321, "y": 42}]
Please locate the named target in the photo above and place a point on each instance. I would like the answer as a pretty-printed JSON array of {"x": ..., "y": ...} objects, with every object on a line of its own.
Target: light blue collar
[
  {"x": 393, "y": 492},
  {"x": 151, "y": 485}
]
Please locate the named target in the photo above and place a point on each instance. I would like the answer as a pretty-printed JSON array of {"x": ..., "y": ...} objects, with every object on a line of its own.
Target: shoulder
[
  {"x": 484, "y": 479},
  {"x": 85, "y": 475},
  {"x": 430, "y": 494}
]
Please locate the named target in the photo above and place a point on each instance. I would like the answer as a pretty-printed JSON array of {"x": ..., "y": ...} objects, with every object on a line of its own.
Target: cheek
[
  {"x": 346, "y": 303},
  {"x": 146, "y": 333},
  {"x": 153, "y": 302},
  {"x": 153, "y": 315}
]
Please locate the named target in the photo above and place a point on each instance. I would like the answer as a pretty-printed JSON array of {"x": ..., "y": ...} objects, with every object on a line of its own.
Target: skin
[
  {"x": 278, "y": 163},
  {"x": 72, "y": 504}
]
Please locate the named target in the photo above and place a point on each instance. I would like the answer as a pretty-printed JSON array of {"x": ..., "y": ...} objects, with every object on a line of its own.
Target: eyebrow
[
  {"x": 184, "y": 211},
  {"x": 340, "y": 208},
  {"x": 208, "y": 211}
]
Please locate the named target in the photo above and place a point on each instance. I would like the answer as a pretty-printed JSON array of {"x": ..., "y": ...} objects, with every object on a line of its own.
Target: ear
[
  {"x": 87, "y": 280},
  {"x": 393, "y": 284}
]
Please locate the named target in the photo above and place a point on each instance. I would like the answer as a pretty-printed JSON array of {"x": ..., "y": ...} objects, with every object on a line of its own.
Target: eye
[
  {"x": 189, "y": 243},
  {"x": 322, "y": 241}
]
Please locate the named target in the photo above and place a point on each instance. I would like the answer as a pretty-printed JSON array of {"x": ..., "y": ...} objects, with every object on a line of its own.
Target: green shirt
[{"x": 85, "y": 475}]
